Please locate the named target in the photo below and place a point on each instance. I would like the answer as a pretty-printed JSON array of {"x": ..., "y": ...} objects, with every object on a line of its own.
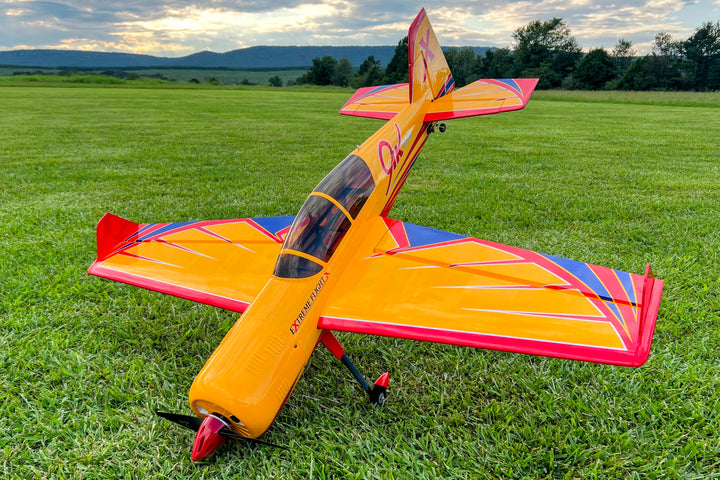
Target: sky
[{"x": 174, "y": 28}]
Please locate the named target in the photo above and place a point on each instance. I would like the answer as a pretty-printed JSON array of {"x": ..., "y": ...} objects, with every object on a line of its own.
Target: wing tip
[
  {"x": 112, "y": 230},
  {"x": 651, "y": 296}
]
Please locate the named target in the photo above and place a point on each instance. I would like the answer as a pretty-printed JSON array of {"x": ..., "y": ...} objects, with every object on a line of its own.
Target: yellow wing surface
[
  {"x": 224, "y": 263},
  {"x": 483, "y": 97},
  {"x": 383, "y": 102},
  {"x": 425, "y": 284}
]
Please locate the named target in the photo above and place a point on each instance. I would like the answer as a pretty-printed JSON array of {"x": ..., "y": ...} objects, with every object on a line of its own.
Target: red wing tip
[{"x": 111, "y": 230}]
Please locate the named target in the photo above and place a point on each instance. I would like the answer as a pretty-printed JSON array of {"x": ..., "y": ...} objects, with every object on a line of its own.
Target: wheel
[{"x": 377, "y": 394}]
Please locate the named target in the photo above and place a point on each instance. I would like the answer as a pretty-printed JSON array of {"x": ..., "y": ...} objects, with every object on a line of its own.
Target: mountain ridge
[{"x": 260, "y": 56}]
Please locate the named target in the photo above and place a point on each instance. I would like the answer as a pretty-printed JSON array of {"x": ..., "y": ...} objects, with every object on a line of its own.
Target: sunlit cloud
[{"x": 180, "y": 27}]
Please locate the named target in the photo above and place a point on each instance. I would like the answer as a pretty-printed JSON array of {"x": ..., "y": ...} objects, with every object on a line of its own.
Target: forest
[{"x": 548, "y": 50}]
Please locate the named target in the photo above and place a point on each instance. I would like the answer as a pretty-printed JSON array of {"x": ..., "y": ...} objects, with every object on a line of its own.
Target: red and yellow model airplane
[{"x": 331, "y": 266}]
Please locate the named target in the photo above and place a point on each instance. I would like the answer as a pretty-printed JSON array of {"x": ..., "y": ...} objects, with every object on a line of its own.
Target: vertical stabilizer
[{"x": 429, "y": 71}]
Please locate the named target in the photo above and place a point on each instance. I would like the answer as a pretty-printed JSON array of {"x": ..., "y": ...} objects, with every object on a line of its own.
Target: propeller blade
[
  {"x": 187, "y": 421},
  {"x": 229, "y": 433},
  {"x": 193, "y": 423}
]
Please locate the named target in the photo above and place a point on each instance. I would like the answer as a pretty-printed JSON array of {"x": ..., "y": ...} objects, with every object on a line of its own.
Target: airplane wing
[
  {"x": 425, "y": 284},
  {"x": 383, "y": 102},
  {"x": 482, "y": 97},
  {"x": 224, "y": 263}
]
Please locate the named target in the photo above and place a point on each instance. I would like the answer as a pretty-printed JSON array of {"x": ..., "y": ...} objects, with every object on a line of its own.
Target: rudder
[{"x": 429, "y": 71}]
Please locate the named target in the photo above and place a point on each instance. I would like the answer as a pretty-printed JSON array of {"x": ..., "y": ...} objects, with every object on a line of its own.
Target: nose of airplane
[{"x": 208, "y": 437}]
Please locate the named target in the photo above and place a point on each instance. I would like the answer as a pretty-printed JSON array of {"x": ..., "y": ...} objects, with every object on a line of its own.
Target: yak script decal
[{"x": 393, "y": 155}]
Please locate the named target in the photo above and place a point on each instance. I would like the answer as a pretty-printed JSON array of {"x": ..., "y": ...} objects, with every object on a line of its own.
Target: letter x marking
[{"x": 424, "y": 44}]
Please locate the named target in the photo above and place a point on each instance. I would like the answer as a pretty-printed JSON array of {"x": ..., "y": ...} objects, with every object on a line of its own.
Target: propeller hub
[{"x": 208, "y": 437}]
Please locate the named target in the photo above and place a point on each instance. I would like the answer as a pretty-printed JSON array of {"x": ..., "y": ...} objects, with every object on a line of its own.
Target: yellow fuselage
[{"x": 252, "y": 372}]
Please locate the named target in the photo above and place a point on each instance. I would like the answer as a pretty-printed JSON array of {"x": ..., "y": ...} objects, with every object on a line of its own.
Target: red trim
[
  {"x": 328, "y": 339},
  {"x": 437, "y": 116},
  {"x": 111, "y": 231},
  {"x": 115, "y": 234},
  {"x": 370, "y": 114},
  {"x": 651, "y": 295},
  {"x": 359, "y": 93},
  {"x": 527, "y": 85},
  {"x": 397, "y": 230},
  {"x": 412, "y": 35},
  {"x": 167, "y": 288},
  {"x": 469, "y": 339}
]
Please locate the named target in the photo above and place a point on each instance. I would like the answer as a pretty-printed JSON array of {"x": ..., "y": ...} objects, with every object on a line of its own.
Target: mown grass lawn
[{"x": 615, "y": 180}]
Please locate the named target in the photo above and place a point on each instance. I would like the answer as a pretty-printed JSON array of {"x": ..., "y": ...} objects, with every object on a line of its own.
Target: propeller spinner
[{"x": 212, "y": 431}]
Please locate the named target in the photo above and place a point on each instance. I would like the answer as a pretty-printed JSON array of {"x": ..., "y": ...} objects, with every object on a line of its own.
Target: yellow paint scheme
[
  {"x": 374, "y": 277},
  {"x": 481, "y": 96},
  {"x": 378, "y": 102},
  {"x": 254, "y": 369},
  {"x": 430, "y": 71},
  {"x": 431, "y": 288},
  {"x": 199, "y": 261}
]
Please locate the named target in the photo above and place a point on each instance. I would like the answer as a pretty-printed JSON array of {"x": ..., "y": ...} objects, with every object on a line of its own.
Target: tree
[
  {"x": 369, "y": 74},
  {"x": 343, "y": 73},
  {"x": 461, "y": 62},
  {"x": 622, "y": 56},
  {"x": 321, "y": 72},
  {"x": 714, "y": 76},
  {"x": 663, "y": 68},
  {"x": 397, "y": 70},
  {"x": 367, "y": 64},
  {"x": 702, "y": 51},
  {"x": 648, "y": 73},
  {"x": 498, "y": 63},
  {"x": 275, "y": 81},
  {"x": 594, "y": 70},
  {"x": 546, "y": 48}
]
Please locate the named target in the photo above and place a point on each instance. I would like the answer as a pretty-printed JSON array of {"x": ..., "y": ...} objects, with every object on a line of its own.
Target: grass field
[
  {"x": 203, "y": 75},
  {"x": 84, "y": 362}
]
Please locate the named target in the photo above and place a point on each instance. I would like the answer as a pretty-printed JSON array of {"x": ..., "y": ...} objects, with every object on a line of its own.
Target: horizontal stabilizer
[
  {"x": 383, "y": 102},
  {"x": 224, "y": 263},
  {"x": 425, "y": 284},
  {"x": 483, "y": 97}
]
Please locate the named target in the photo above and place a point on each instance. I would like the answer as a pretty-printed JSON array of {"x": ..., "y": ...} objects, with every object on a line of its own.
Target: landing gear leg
[{"x": 378, "y": 391}]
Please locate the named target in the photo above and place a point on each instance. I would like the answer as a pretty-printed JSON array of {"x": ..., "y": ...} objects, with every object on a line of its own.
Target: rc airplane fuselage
[{"x": 331, "y": 267}]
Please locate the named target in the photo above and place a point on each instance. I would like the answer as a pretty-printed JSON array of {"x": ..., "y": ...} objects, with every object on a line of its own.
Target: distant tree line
[
  {"x": 329, "y": 71},
  {"x": 547, "y": 50}
]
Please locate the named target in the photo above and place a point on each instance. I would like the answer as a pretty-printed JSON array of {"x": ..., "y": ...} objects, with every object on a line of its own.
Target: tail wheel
[{"x": 378, "y": 392}]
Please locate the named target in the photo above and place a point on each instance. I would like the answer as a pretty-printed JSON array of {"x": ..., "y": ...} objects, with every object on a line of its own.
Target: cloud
[{"x": 178, "y": 27}]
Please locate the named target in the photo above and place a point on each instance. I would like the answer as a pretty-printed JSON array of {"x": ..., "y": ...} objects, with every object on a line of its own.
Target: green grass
[
  {"x": 226, "y": 76},
  {"x": 677, "y": 99},
  {"x": 84, "y": 361},
  {"x": 79, "y": 78},
  {"x": 203, "y": 75}
]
